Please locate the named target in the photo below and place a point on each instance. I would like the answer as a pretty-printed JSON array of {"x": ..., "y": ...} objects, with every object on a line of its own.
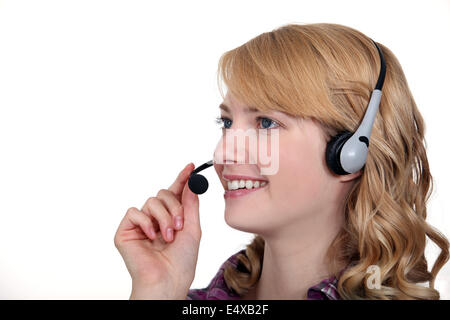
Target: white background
[{"x": 102, "y": 103}]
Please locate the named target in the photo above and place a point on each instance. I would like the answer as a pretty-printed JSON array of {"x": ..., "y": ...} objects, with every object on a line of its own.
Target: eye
[
  {"x": 225, "y": 121},
  {"x": 266, "y": 122}
]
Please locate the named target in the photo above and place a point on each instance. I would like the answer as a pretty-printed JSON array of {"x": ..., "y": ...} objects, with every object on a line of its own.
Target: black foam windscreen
[{"x": 198, "y": 183}]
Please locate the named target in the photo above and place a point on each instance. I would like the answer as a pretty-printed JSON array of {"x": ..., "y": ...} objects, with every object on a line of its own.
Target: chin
[{"x": 244, "y": 222}]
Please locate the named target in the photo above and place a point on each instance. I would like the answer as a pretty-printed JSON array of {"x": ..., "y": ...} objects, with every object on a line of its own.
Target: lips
[
  {"x": 241, "y": 184},
  {"x": 228, "y": 178},
  {"x": 242, "y": 192}
]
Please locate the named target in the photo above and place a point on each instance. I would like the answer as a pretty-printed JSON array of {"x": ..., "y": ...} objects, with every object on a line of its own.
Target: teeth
[{"x": 248, "y": 184}]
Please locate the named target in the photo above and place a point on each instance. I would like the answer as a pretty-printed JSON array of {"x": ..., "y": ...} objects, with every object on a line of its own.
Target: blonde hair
[{"x": 326, "y": 72}]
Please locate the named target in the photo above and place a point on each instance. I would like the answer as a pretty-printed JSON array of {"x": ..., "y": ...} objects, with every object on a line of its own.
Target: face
[{"x": 299, "y": 190}]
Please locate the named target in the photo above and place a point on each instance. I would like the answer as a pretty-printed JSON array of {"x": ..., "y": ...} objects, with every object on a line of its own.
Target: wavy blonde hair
[{"x": 326, "y": 72}]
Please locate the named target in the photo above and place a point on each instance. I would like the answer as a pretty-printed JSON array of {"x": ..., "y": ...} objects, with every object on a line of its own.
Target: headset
[{"x": 346, "y": 152}]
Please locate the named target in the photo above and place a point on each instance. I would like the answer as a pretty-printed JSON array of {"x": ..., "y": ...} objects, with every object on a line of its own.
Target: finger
[
  {"x": 135, "y": 218},
  {"x": 191, "y": 211},
  {"x": 173, "y": 206},
  {"x": 155, "y": 208},
  {"x": 180, "y": 181}
]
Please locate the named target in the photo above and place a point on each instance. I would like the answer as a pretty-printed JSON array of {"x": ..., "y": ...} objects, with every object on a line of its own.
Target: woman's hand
[{"x": 160, "y": 255}]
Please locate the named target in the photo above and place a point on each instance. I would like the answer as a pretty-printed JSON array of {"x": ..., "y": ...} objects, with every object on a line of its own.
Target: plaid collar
[
  {"x": 218, "y": 290},
  {"x": 325, "y": 290}
]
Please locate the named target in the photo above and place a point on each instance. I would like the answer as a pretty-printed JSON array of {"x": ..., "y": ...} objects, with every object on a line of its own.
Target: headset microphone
[{"x": 198, "y": 183}]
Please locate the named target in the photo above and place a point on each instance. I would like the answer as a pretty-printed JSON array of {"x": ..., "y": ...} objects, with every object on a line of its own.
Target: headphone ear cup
[{"x": 333, "y": 152}]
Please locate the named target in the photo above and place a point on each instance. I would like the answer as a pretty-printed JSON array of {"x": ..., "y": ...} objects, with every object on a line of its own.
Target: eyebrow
[{"x": 227, "y": 109}]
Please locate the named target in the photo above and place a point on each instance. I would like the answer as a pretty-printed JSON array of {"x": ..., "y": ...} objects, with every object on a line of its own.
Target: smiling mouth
[
  {"x": 245, "y": 184},
  {"x": 234, "y": 193}
]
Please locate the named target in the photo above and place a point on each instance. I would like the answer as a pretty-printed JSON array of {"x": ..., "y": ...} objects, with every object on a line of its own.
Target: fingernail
[
  {"x": 169, "y": 234},
  {"x": 178, "y": 222}
]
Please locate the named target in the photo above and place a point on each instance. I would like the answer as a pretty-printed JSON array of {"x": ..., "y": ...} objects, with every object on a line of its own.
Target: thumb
[{"x": 190, "y": 203}]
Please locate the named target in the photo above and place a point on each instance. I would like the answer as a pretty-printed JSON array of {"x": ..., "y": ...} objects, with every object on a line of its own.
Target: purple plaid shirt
[{"x": 217, "y": 289}]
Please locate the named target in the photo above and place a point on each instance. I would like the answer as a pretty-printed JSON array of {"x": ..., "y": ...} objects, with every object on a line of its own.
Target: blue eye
[
  {"x": 226, "y": 122},
  {"x": 266, "y": 122}
]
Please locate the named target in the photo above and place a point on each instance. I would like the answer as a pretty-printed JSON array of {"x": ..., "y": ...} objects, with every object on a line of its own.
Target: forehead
[{"x": 231, "y": 105}]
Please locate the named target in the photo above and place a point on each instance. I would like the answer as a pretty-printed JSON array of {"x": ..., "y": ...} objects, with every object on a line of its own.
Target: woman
[{"x": 317, "y": 234}]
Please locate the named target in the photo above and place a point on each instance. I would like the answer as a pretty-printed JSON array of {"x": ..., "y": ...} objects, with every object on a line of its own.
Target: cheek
[{"x": 298, "y": 184}]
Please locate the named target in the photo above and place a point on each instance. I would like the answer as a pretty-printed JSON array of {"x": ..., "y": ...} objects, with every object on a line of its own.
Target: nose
[{"x": 232, "y": 147}]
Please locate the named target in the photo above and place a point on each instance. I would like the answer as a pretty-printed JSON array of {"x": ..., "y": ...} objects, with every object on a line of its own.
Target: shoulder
[{"x": 217, "y": 288}]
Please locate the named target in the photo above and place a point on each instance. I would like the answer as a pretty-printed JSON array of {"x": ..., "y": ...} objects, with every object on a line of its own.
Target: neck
[{"x": 295, "y": 257}]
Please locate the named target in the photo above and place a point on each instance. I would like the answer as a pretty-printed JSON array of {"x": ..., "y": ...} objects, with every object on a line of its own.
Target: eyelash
[{"x": 221, "y": 120}]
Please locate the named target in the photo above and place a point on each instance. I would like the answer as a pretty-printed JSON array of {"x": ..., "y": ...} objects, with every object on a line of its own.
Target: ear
[{"x": 350, "y": 177}]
